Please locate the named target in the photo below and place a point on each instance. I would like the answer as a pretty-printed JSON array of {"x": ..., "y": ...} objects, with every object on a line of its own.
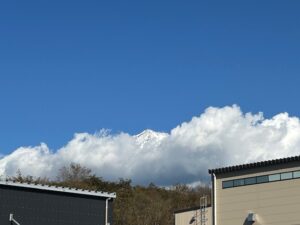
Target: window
[
  {"x": 250, "y": 180},
  {"x": 239, "y": 182},
  {"x": 285, "y": 176},
  {"x": 228, "y": 184},
  {"x": 262, "y": 179},
  {"x": 296, "y": 174},
  {"x": 274, "y": 177}
]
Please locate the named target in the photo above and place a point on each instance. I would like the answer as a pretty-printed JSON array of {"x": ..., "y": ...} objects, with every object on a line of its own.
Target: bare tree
[{"x": 73, "y": 173}]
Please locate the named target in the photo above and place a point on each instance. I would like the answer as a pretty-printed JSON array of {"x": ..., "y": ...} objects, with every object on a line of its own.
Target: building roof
[
  {"x": 58, "y": 189},
  {"x": 189, "y": 209},
  {"x": 254, "y": 165}
]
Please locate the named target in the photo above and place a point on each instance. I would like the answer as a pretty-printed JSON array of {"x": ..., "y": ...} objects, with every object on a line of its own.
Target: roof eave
[{"x": 59, "y": 189}]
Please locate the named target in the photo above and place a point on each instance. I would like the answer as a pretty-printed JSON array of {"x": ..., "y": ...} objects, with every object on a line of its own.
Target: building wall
[
  {"x": 184, "y": 218},
  {"x": 275, "y": 203},
  {"x": 35, "y": 207}
]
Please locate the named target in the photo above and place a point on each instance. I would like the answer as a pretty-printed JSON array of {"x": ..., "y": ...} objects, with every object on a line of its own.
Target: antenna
[{"x": 11, "y": 219}]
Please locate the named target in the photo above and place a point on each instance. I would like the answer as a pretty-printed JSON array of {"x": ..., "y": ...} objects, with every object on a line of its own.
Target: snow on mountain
[{"x": 150, "y": 138}]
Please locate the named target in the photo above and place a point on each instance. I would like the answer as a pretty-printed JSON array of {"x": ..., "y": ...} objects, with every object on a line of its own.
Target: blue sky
[{"x": 79, "y": 66}]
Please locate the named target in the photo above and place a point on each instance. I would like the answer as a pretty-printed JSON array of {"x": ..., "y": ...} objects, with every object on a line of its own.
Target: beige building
[
  {"x": 263, "y": 193},
  {"x": 192, "y": 216}
]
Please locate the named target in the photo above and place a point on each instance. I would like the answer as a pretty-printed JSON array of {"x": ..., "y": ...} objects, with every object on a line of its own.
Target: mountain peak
[{"x": 150, "y": 137}]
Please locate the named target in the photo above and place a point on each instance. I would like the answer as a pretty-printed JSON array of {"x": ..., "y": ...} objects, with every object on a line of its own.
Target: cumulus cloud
[{"x": 218, "y": 137}]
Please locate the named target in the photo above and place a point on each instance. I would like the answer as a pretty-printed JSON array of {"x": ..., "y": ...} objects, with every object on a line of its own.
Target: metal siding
[
  {"x": 33, "y": 207},
  {"x": 275, "y": 203}
]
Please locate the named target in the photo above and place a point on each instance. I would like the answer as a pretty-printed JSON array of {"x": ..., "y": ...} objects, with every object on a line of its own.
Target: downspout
[
  {"x": 106, "y": 210},
  {"x": 214, "y": 199}
]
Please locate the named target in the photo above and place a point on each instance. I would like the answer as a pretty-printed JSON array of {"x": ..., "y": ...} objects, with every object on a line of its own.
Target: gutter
[
  {"x": 34, "y": 186},
  {"x": 106, "y": 210},
  {"x": 214, "y": 199}
]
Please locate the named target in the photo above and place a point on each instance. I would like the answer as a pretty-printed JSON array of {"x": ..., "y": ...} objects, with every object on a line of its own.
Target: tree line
[{"x": 135, "y": 204}]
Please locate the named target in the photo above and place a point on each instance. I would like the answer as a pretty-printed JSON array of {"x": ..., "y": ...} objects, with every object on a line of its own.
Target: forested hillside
[{"x": 134, "y": 205}]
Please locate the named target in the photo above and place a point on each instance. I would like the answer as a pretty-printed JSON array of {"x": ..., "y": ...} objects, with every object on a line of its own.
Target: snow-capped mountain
[{"x": 150, "y": 138}]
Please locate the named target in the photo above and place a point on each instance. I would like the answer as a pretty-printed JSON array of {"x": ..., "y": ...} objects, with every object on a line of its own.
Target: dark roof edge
[
  {"x": 254, "y": 165},
  {"x": 57, "y": 189},
  {"x": 189, "y": 209}
]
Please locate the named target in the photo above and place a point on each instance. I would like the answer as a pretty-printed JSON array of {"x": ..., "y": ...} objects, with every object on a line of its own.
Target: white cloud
[{"x": 218, "y": 137}]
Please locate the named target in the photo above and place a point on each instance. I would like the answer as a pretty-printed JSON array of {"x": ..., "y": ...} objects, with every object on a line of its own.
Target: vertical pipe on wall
[
  {"x": 214, "y": 189},
  {"x": 106, "y": 210}
]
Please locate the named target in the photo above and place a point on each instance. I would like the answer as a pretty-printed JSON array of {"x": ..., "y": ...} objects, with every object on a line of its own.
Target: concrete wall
[
  {"x": 275, "y": 203},
  {"x": 184, "y": 218}
]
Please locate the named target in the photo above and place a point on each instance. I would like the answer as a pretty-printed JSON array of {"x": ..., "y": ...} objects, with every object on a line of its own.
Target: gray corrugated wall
[{"x": 36, "y": 207}]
